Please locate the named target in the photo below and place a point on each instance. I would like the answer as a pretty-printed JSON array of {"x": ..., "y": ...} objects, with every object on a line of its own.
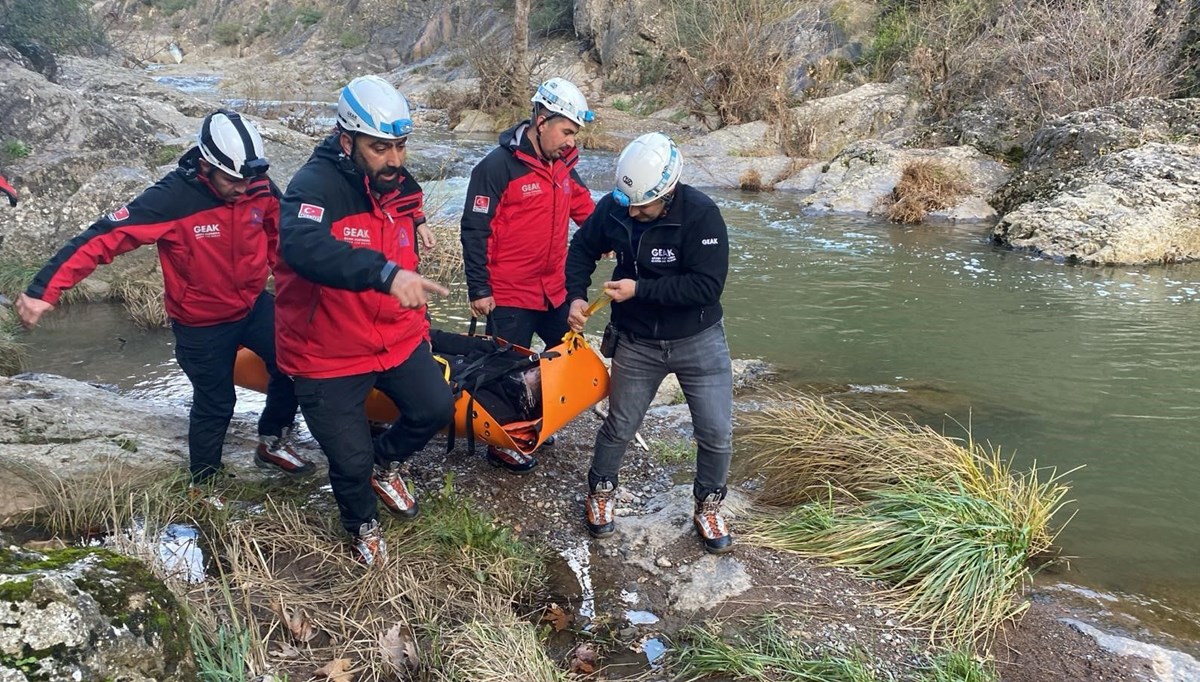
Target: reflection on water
[{"x": 1065, "y": 366}]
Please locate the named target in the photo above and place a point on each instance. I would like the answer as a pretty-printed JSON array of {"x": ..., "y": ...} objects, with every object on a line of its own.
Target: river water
[{"x": 1058, "y": 365}]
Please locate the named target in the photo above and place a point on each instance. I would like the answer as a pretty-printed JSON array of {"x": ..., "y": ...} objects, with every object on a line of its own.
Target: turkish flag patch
[
  {"x": 482, "y": 203},
  {"x": 119, "y": 214},
  {"x": 311, "y": 212}
]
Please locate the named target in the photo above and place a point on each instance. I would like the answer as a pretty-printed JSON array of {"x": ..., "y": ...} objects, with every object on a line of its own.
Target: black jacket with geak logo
[{"x": 680, "y": 265}]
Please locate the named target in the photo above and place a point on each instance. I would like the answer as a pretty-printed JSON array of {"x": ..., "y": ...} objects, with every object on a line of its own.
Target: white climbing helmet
[
  {"x": 371, "y": 105},
  {"x": 233, "y": 144},
  {"x": 561, "y": 97},
  {"x": 648, "y": 168}
]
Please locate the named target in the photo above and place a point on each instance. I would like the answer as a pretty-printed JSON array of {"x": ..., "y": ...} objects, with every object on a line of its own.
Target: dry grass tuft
[
  {"x": 925, "y": 186},
  {"x": 806, "y": 446},
  {"x": 141, "y": 291},
  {"x": 750, "y": 181},
  {"x": 474, "y": 649},
  {"x": 91, "y": 504},
  {"x": 597, "y": 137},
  {"x": 444, "y": 263},
  {"x": 13, "y": 353}
]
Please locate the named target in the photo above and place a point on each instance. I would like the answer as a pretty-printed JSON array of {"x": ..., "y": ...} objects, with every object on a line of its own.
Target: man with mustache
[
  {"x": 352, "y": 307},
  {"x": 514, "y": 228},
  {"x": 215, "y": 221}
]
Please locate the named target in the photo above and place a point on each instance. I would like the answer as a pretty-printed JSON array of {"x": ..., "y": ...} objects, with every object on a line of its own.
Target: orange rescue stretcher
[{"x": 573, "y": 379}]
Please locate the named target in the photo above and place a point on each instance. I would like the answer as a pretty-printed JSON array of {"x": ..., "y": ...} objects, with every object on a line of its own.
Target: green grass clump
[
  {"x": 763, "y": 654},
  {"x": 958, "y": 666},
  {"x": 947, "y": 524}
]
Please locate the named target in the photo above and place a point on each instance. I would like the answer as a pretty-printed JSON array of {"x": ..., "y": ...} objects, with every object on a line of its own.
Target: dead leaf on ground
[
  {"x": 297, "y": 622},
  {"x": 399, "y": 646},
  {"x": 337, "y": 670},
  {"x": 286, "y": 650},
  {"x": 583, "y": 659},
  {"x": 556, "y": 616}
]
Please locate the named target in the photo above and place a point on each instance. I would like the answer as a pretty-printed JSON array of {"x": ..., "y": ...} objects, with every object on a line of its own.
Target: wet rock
[
  {"x": 79, "y": 432},
  {"x": 88, "y": 615},
  {"x": 713, "y": 580},
  {"x": 1168, "y": 665}
]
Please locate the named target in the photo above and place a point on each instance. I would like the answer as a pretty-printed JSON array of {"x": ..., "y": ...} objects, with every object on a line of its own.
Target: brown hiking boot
[
  {"x": 710, "y": 525},
  {"x": 390, "y": 487},
  {"x": 599, "y": 510},
  {"x": 276, "y": 452},
  {"x": 369, "y": 546}
]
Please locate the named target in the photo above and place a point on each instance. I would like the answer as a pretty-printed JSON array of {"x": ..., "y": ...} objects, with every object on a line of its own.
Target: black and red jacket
[
  {"x": 8, "y": 190},
  {"x": 341, "y": 248},
  {"x": 215, "y": 255},
  {"x": 514, "y": 224}
]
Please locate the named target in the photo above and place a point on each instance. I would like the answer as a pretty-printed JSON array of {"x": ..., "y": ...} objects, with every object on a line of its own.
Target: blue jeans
[{"x": 701, "y": 363}]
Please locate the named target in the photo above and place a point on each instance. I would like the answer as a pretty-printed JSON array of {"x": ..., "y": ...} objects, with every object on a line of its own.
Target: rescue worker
[
  {"x": 352, "y": 308},
  {"x": 215, "y": 221},
  {"x": 672, "y": 251},
  {"x": 514, "y": 228}
]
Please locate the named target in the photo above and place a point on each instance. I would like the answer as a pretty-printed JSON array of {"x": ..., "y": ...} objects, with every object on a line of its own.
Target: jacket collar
[{"x": 517, "y": 141}]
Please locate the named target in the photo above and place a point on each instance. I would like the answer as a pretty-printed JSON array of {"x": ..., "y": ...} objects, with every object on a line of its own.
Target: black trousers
[
  {"x": 207, "y": 355},
  {"x": 517, "y": 325},
  {"x": 335, "y": 411}
]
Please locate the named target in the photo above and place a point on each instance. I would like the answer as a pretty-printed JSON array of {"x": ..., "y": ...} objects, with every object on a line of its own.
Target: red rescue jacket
[
  {"x": 215, "y": 255},
  {"x": 514, "y": 224},
  {"x": 341, "y": 249}
]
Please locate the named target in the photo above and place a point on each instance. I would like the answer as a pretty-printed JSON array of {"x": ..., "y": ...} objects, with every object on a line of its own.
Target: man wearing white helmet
[
  {"x": 672, "y": 251},
  {"x": 519, "y": 202},
  {"x": 352, "y": 307},
  {"x": 215, "y": 221}
]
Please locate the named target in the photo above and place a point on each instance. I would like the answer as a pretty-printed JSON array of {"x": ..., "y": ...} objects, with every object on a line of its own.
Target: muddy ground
[{"x": 655, "y": 567}]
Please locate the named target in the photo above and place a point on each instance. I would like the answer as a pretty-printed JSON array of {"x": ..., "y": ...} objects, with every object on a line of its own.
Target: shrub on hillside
[
  {"x": 59, "y": 25},
  {"x": 731, "y": 59},
  {"x": 1058, "y": 56}
]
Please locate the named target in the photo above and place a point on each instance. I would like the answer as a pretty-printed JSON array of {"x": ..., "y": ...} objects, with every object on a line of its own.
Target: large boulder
[
  {"x": 74, "y": 431},
  {"x": 87, "y": 615},
  {"x": 1139, "y": 205},
  {"x": 861, "y": 178},
  {"x": 1084, "y": 137},
  {"x": 819, "y": 129}
]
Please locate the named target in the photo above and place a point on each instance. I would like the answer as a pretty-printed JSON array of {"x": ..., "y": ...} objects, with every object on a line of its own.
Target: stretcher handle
[{"x": 595, "y": 306}]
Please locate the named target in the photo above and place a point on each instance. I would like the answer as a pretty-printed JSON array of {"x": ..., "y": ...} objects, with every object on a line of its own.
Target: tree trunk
[{"x": 520, "y": 71}]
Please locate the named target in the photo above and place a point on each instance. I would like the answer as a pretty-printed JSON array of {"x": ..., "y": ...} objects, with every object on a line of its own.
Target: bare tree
[{"x": 520, "y": 67}]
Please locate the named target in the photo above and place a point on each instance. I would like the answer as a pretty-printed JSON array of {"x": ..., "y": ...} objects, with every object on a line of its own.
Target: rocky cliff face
[{"x": 1116, "y": 184}]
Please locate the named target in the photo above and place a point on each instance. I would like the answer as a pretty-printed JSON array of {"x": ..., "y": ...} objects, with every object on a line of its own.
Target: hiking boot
[
  {"x": 550, "y": 440},
  {"x": 390, "y": 488},
  {"x": 513, "y": 461},
  {"x": 276, "y": 452},
  {"x": 598, "y": 515},
  {"x": 369, "y": 545},
  {"x": 710, "y": 525}
]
